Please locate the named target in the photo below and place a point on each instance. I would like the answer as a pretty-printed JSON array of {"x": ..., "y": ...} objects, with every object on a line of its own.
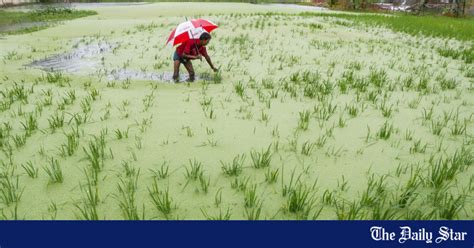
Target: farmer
[{"x": 189, "y": 50}]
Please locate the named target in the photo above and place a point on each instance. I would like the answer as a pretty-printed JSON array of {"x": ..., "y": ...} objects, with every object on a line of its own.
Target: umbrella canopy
[{"x": 190, "y": 30}]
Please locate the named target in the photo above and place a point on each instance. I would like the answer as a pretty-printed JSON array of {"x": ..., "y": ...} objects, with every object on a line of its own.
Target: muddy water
[{"x": 86, "y": 58}]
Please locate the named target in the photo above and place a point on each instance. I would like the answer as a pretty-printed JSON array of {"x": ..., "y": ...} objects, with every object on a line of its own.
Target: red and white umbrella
[{"x": 190, "y": 30}]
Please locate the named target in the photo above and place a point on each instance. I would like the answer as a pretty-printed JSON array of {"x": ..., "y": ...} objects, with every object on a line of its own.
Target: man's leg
[
  {"x": 176, "y": 70},
  {"x": 189, "y": 67}
]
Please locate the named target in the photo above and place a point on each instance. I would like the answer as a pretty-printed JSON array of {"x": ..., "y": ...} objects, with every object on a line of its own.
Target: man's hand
[{"x": 199, "y": 56}]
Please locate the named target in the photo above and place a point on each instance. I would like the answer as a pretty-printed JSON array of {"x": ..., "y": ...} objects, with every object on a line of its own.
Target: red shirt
[{"x": 189, "y": 47}]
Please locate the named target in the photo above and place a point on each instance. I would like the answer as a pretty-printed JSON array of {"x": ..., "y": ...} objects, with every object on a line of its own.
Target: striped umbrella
[{"x": 190, "y": 30}]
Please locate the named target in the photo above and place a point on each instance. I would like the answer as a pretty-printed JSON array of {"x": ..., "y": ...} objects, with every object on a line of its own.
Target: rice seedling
[
  {"x": 218, "y": 197},
  {"x": 126, "y": 196},
  {"x": 408, "y": 194},
  {"x": 437, "y": 126},
  {"x": 121, "y": 134},
  {"x": 375, "y": 191},
  {"x": 19, "y": 140},
  {"x": 161, "y": 172},
  {"x": 459, "y": 127},
  {"x": 301, "y": 201},
  {"x": 443, "y": 169},
  {"x": 54, "y": 171},
  {"x": 250, "y": 197},
  {"x": 449, "y": 206},
  {"x": 234, "y": 168},
  {"x": 95, "y": 153},
  {"x": 240, "y": 184},
  {"x": 195, "y": 170},
  {"x": 307, "y": 148},
  {"x": 221, "y": 216},
  {"x": 348, "y": 211},
  {"x": 161, "y": 199},
  {"x": 271, "y": 176},
  {"x": 10, "y": 191},
  {"x": 417, "y": 147},
  {"x": 386, "y": 110},
  {"x": 239, "y": 89},
  {"x": 86, "y": 104},
  {"x": 385, "y": 131},
  {"x": 30, "y": 170},
  {"x": 30, "y": 124},
  {"x": 56, "y": 121},
  {"x": 303, "y": 121},
  {"x": 261, "y": 159}
]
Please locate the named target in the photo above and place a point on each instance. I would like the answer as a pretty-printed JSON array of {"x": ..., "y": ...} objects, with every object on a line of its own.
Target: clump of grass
[
  {"x": 307, "y": 148},
  {"x": 56, "y": 121},
  {"x": 239, "y": 89},
  {"x": 161, "y": 199},
  {"x": 250, "y": 196},
  {"x": 204, "y": 183},
  {"x": 221, "y": 216},
  {"x": 271, "y": 176},
  {"x": 71, "y": 145},
  {"x": 234, "y": 168},
  {"x": 261, "y": 159},
  {"x": 303, "y": 121},
  {"x": 10, "y": 191},
  {"x": 385, "y": 131},
  {"x": 161, "y": 172},
  {"x": 30, "y": 124},
  {"x": 301, "y": 201},
  {"x": 194, "y": 171},
  {"x": 54, "y": 171},
  {"x": 127, "y": 194},
  {"x": 30, "y": 169},
  {"x": 95, "y": 152},
  {"x": 121, "y": 134}
]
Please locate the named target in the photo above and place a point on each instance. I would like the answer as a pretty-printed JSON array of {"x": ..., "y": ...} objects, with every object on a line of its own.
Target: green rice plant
[
  {"x": 56, "y": 121},
  {"x": 54, "y": 171},
  {"x": 271, "y": 176},
  {"x": 459, "y": 126},
  {"x": 161, "y": 199},
  {"x": 129, "y": 169},
  {"x": 234, "y": 168},
  {"x": 307, "y": 148},
  {"x": 161, "y": 172},
  {"x": 374, "y": 192},
  {"x": 87, "y": 212},
  {"x": 194, "y": 171},
  {"x": 30, "y": 169},
  {"x": 417, "y": 147},
  {"x": 30, "y": 124},
  {"x": 303, "y": 121},
  {"x": 71, "y": 145},
  {"x": 239, "y": 89},
  {"x": 409, "y": 135},
  {"x": 86, "y": 105},
  {"x": 408, "y": 195},
  {"x": 447, "y": 84},
  {"x": 95, "y": 153},
  {"x": 19, "y": 140},
  {"x": 301, "y": 201},
  {"x": 426, "y": 115},
  {"x": 217, "y": 78},
  {"x": 127, "y": 189},
  {"x": 449, "y": 206},
  {"x": 261, "y": 159},
  {"x": 57, "y": 78},
  {"x": 413, "y": 104},
  {"x": 348, "y": 211},
  {"x": 264, "y": 117},
  {"x": 218, "y": 197},
  {"x": 352, "y": 110},
  {"x": 10, "y": 191},
  {"x": 386, "y": 110},
  {"x": 250, "y": 197},
  {"x": 253, "y": 213},
  {"x": 378, "y": 77},
  {"x": 121, "y": 134},
  {"x": 221, "y": 216},
  {"x": 445, "y": 169},
  {"x": 94, "y": 94},
  {"x": 324, "y": 111},
  {"x": 204, "y": 183},
  {"x": 437, "y": 126},
  {"x": 385, "y": 131},
  {"x": 328, "y": 197},
  {"x": 240, "y": 184}
]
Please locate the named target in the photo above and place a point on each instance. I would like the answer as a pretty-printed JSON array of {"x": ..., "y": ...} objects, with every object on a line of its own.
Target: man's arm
[{"x": 208, "y": 59}]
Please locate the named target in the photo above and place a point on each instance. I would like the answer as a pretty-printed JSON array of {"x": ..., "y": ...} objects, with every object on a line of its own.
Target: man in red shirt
[{"x": 189, "y": 50}]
